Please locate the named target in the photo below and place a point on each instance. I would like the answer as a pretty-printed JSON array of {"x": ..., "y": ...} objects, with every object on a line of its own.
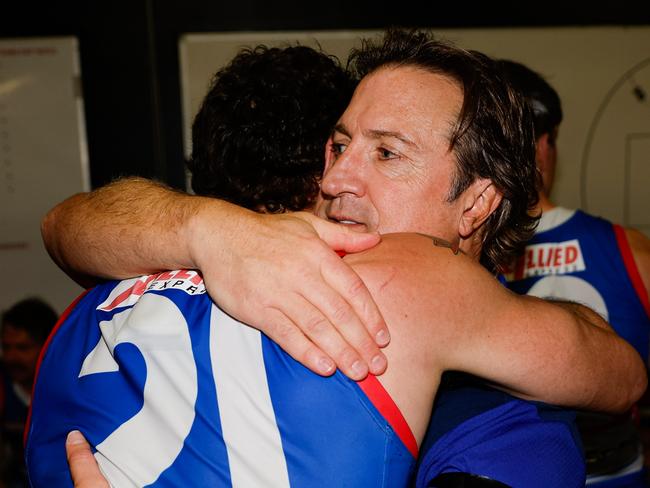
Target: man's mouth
[
  {"x": 354, "y": 224},
  {"x": 342, "y": 219}
]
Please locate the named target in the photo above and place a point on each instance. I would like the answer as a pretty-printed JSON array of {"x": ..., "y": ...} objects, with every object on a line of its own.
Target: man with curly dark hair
[
  {"x": 391, "y": 166},
  {"x": 258, "y": 140}
]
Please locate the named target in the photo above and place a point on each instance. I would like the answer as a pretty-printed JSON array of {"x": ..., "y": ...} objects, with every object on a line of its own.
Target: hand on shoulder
[{"x": 280, "y": 274}]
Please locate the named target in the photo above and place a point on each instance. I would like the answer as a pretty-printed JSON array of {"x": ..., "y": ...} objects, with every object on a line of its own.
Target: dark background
[{"x": 129, "y": 54}]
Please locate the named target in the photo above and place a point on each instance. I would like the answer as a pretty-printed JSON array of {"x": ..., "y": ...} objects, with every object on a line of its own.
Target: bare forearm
[
  {"x": 561, "y": 353},
  {"x": 130, "y": 227},
  {"x": 275, "y": 272},
  {"x": 620, "y": 375},
  {"x": 447, "y": 308},
  {"x": 568, "y": 355}
]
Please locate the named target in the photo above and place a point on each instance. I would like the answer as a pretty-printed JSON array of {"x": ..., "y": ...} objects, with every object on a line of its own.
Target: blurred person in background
[
  {"x": 24, "y": 328},
  {"x": 579, "y": 257}
]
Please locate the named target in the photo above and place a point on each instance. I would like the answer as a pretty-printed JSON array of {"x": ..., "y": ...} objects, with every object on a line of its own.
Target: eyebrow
[
  {"x": 342, "y": 129},
  {"x": 377, "y": 134}
]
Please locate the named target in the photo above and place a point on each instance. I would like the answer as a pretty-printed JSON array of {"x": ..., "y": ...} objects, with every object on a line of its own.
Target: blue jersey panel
[
  {"x": 336, "y": 415},
  {"x": 512, "y": 441},
  {"x": 580, "y": 260},
  {"x": 97, "y": 404}
]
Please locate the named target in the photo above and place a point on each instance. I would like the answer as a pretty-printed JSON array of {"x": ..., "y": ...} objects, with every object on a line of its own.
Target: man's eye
[
  {"x": 338, "y": 148},
  {"x": 386, "y": 154}
]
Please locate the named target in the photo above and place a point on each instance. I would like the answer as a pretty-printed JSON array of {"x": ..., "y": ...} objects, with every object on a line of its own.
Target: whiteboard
[
  {"x": 43, "y": 159},
  {"x": 599, "y": 72}
]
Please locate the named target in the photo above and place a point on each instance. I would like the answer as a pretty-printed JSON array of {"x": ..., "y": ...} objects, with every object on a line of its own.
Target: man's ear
[{"x": 480, "y": 200}]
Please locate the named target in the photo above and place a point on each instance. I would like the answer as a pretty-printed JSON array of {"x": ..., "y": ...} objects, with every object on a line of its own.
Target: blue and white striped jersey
[{"x": 171, "y": 391}]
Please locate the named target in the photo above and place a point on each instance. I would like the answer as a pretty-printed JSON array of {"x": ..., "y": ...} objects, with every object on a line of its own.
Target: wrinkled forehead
[{"x": 422, "y": 105}]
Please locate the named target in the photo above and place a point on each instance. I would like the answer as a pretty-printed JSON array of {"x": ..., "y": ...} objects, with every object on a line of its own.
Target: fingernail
[
  {"x": 74, "y": 437},
  {"x": 359, "y": 369},
  {"x": 382, "y": 338},
  {"x": 325, "y": 366},
  {"x": 378, "y": 362}
]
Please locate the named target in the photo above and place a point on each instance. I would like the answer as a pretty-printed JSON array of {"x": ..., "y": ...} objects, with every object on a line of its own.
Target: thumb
[
  {"x": 83, "y": 466},
  {"x": 341, "y": 238}
]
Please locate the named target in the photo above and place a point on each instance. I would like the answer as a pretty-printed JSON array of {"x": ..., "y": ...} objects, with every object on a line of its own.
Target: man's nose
[{"x": 344, "y": 175}]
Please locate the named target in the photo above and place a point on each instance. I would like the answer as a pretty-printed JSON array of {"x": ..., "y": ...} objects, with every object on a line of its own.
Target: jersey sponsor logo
[
  {"x": 549, "y": 258},
  {"x": 128, "y": 292}
]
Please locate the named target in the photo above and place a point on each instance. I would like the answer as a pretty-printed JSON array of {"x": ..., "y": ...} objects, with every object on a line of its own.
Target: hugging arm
[
  {"x": 275, "y": 272},
  {"x": 457, "y": 316}
]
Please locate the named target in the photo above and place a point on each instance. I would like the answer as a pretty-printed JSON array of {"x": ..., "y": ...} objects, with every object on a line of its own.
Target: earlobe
[{"x": 482, "y": 199}]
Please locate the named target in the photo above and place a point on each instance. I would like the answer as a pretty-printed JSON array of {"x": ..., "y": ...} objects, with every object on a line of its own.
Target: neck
[
  {"x": 544, "y": 204},
  {"x": 472, "y": 246}
]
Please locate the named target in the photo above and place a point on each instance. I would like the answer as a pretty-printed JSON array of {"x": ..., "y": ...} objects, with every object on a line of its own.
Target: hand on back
[{"x": 280, "y": 274}]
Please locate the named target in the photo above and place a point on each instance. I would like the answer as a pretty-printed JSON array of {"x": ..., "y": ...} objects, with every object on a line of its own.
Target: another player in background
[{"x": 579, "y": 257}]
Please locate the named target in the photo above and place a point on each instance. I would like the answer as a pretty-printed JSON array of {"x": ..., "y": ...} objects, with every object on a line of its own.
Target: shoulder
[
  {"x": 425, "y": 291},
  {"x": 639, "y": 242},
  {"x": 410, "y": 259},
  {"x": 403, "y": 268}
]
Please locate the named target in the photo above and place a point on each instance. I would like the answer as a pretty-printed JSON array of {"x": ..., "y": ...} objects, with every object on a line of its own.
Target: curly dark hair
[
  {"x": 493, "y": 137},
  {"x": 259, "y": 137}
]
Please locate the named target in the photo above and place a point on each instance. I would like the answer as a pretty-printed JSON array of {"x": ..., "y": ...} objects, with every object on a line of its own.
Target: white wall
[{"x": 43, "y": 159}]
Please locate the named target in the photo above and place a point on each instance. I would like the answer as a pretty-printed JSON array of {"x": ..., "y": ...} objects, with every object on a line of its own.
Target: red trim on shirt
[
  {"x": 59, "y": 322},
  {"x": 632, "y": 269},
  {"x": 383, "y": 402},
  {"x": 380, "y": 398}
]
